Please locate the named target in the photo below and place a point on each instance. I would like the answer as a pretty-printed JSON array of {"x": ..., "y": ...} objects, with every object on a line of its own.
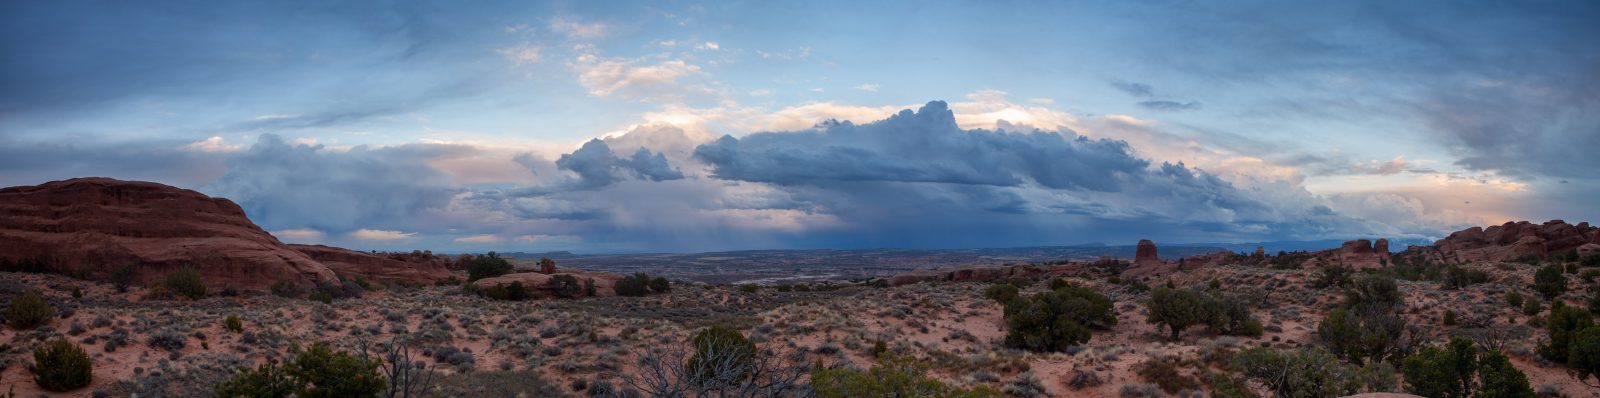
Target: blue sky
[{"x": 683, "y": 126}]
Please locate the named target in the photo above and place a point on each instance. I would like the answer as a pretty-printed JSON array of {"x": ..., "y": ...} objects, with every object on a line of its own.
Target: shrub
[
  {"x": 892, "y": 377},
  {"x": 749, "y": 288},
  {"x": 717, "y": 348},
  {"x": 287, "y": 289},
  {"x": 1442, "y": 372},
  {"x": 1224, "y": 385},
  {"x": 1562, "y": 325},
  {"x": 186, "y": 282},
  {"x": 1057, "y": 319},
  {"x": 1449, "y": 317},
  {"x": 634, "y": 286},
  {"x": 321, "y": 372},
  {"x": 487, "y": 266},
  {"x": 1376, "y": 290},
  {"x": 660, "y": 285},
  {"x": 1531, "y": 307},
  {"x": 267, "y": 380},
  {"x": 233, "y": 324},
  {"x": 1594, "y": 301},
  {"x": 77, "y": 292},
  {"x": 1549, "y": 282},
  {"x": 61, "y": 366},
  {"x": 1583, "y": 353},
  {"x": 122, "y": 277},
  {"x": 565, "y": 286},
  {"x": 1332, "y": 276},
  {"x": 1457, "y": 277},
  {"x": 29, "y": 311},
  {"x": 1311, "y": 372},
  {"x": 1501, "y": 380},
  {"x": 1180, "y": 309},
  {"x": 1165, "y": 375},
  {"x": 589, "y": 288},
  {"x": 1515, "y": 299},
  {"x": 1002, "y": 292}
]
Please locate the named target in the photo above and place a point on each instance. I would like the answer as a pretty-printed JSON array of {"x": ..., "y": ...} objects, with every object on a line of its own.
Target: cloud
[
  {"x": 284, "y": 186},
  {"x": 300, "y": 234},
  {"x": 1391, "y": 167},
  {"x": 214, "y": 145},
  {"x": 597, "y": 166},
  {"x": 378, "y": 234},
  {"x": 707, "y": 46},
  {"x": 1133, "y": 88},
  {"x": 169, "y": 161},
  {"x": 522, "y": 54},
  {"x": 479, "y": 239},
  {"x": 635, "y": 78},
  {"x": 579, "y": 30},
  {"x": 1169, "y": 106},
  {"x": 868, "y": 87}
]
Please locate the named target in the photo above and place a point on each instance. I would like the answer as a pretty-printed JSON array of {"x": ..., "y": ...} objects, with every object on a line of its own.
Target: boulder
[{"x": 91, "y": 226}]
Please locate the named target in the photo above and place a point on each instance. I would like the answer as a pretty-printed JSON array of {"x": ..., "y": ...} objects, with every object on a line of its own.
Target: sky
[{"x": 699, "y": 126}]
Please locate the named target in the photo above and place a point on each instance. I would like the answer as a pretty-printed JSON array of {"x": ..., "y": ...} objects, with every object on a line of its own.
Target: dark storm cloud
[
  {"x": 283, "y": 185},
  {"x": 1169, "y": 106},
  {"x": 925, "y": 146},
  {"x": 597, "y": 166}
]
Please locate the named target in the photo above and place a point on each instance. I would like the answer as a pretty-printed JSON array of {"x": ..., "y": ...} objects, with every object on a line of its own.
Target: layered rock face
[
  {"x": 391, "y": 267},
  {"x": 539, "y": 283},
  {"x": 1515, "y": 240},
  {"x": 1146, "y": 262},
  {"x": 95, "y": 225}
]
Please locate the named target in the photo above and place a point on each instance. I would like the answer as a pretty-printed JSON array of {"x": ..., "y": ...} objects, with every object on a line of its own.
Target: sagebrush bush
[
  {"x": 233, "y": 324},
  {"x": 1001, "y": 292},
  {"x": 186, "y": 282},
  {"x": 61, "y": 366},
  {"x": 487, "y": 266},
  {"x": 892, "y": 377},
  {"x": 1057, "y": 319},
  {"x": 28, "y": 311}
]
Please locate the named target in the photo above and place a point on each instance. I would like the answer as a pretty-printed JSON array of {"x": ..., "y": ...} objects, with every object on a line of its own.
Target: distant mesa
[{"x": 92, "y": 226}]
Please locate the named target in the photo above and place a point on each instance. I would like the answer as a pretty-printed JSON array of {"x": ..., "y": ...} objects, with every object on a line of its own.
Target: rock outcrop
[
  {"x": 1513, "y": 240},
  {"x": 391, "y": 267},
  {"x": 539, "y": 283},
  {"x": 1147, "y": 263},
  {"x": 91, "y": 226}
]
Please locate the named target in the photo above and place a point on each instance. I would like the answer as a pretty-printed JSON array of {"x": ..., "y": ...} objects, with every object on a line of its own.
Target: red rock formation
[
  {"x": 1380, "y": 246},
  {"x": 393, "y": 267},
  {"x": 547, "y": 266},
  {"x": 1146, "y": 251},
  {"x": 1513, "y": 240},
  {"x": 95, "y": 225},
  {"x": 604, "y": 282},
  {"x": 1146, "y": 263}
]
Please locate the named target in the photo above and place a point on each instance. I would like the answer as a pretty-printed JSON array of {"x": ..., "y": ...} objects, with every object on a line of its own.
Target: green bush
[
  {"x": 1309, "y": 372},
  {"x": 1449, "y": 317},
  {"x": 1549, "y": 282},
  {"x": 1332, "y": 276},
  {"x": 1442, "y": 372},
  {"x": 487, "y": 266},
  {"x": 1594, "y": 301},
  {"x": 1374, "y": 290},
  {"x": 565, "y": 286},
  {"x": 233, "y": 324},
  {"x": 1457, "y": 277},
  {"x": 77, "y": 292},
  {"x": 1057, "y": 319},
  {"x": 1165, "y": 375},
  {"x": 122, "y": 277},
  {"x": 266, "y": 381},
  {"x": 1181, "y": 309},
  {"x": 891, "y": 377},
  {"x": 1002, "y": 292},
  {"x": 637, "y": 285},
  {"x": 29, "y": 311},
  {"x": 1563, "y": 324},
  {"x": 1531, "y": 307},
  {"x": 588, "y": 287},
  {"x": 186, "y": 282},
  {"x": 321, "y": 372},
  {"x": 1501, "y": 380},
  {"x": 1583, "y": 353},
  {"x": 1515, "y": 299},
  {"x": 61, "y": 366},
  {"x": 1223, "y": 385},
  {"x": 660, "y": 285}
]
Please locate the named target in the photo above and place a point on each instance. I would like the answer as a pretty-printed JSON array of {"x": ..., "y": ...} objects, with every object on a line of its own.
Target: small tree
[
  {"x": 61, "y": 366},
  {"x": 660, "y": 285},
  {"x": 322, "y": 372},
  {"x": 1583, "y": 353},
  {"x": 122, "y": 277},
  {"x": 634, "y": 286},
  {"x": 1550, "y": 282},
  {"x": 1178, "y": 309},
  {"x": 29, "y": 311},
  {"x": 1500, "y": 379},
  {"x": 1563, "y": 324},
  {"x": 265, "y": 381},
  {"x": 487, "y": 266},
  {"x": 186, "y": 282},
  {"x": 1057, "y": 319},
  {"x": 565, "y": 286}
]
